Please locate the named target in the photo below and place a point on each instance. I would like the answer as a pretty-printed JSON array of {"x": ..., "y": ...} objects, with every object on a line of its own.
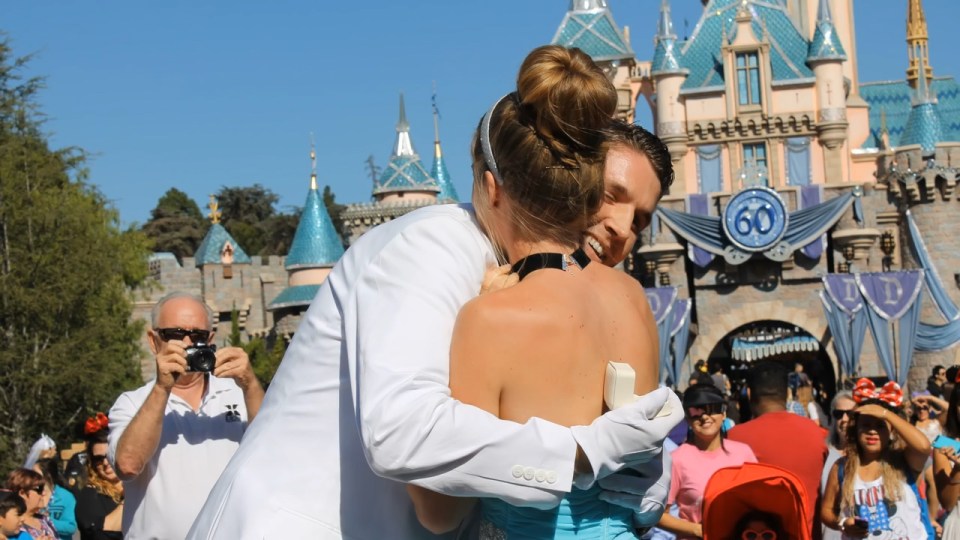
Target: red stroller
[{"x": 734, "y": 491}]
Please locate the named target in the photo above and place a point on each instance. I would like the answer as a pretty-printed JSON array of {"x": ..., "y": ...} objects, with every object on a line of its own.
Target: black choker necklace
[{"x": 539, "y": 261}]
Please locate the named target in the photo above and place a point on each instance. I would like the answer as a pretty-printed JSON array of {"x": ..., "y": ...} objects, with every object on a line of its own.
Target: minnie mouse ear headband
[
  {"x": 890, "y": 395},
  {"x": 95, "y": 424}
]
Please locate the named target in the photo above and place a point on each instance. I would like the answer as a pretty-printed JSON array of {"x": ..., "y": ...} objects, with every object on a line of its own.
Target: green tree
[
  {"x": 247, "y": 212},
  {"x": 176, "y": 225},
  {"x": 264, "y": 358},
  {"x": 66, "y": 268},
  {"x": 334, "y": 209},
  {"x": 279, "y": 231}
]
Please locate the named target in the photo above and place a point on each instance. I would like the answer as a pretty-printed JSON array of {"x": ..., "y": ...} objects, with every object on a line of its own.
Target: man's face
[
  {"x": 632, "y": 190},
  {"x": 181, "y": 319}
]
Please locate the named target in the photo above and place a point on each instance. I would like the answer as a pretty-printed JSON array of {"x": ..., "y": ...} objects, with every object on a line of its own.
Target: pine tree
[{"x": 66, "y": 268}]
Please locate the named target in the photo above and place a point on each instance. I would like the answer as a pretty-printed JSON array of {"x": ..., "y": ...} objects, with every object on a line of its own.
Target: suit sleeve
[{"x": 405, "y": 306}]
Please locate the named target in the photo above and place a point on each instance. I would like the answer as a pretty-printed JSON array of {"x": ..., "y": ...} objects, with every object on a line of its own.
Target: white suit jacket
[{"x": 361, "y": 402}]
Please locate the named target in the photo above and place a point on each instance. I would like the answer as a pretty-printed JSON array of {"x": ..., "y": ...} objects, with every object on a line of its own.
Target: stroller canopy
[{"x": 733, "y": 491}]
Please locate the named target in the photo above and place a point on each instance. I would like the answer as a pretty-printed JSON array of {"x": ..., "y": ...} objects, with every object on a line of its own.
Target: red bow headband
[
  {"x": 890, "y": 394},
  {"x": 95, "y": 424}
]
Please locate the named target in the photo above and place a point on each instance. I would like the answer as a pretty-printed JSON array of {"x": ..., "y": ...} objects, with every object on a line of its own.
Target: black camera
[{"x": 201, "y": 357}]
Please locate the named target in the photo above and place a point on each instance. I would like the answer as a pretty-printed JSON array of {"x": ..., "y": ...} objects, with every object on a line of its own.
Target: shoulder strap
[{"x": 841, "y": 464}]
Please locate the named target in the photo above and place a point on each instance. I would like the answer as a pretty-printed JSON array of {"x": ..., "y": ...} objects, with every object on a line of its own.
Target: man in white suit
[{"x": 361, "y": 402}]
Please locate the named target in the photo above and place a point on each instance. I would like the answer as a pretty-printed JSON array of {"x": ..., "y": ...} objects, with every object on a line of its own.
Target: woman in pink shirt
[{"x": 696, "y": 460}]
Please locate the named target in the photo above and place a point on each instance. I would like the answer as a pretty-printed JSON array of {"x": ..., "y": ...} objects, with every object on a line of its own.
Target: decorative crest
[{"x": 215, "y": 213}]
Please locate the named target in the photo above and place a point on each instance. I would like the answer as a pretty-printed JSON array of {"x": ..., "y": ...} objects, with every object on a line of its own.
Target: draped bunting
[
  {"x": 942, "y": 301},
  {"x": 879, "y": 300},
  {"x": 709, "y": 168},
  {"x": 672, "y": 316},
  {"x": 848, "y": 328},
  {"x": 698, "y": 205},
  {"x": 798, "y": 161},
  {"x": 680, "y": 335},
  {"x": 804, "y": 226},
  {"x": 933, "y": 337},
  {"x": 811, "y": 196}
]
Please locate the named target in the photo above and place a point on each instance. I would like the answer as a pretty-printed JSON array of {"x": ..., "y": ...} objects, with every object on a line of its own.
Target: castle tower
[
  {"x": 315, "y": 249},
  {"x": 826, "y": 56},
  {"x": 405, "y": 177},
  {"x": 589, "y": 26},
  {"x": 669, "y": 77},
  {"x": 218, "y": 246},
  {"x": 439, "y": 172},
  {"x": 917, "y": 50},
  {"x": 924, "y": 125}
]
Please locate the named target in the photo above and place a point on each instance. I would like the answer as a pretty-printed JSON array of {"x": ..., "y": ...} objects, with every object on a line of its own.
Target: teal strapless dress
[{"x": 581, "y": 515}]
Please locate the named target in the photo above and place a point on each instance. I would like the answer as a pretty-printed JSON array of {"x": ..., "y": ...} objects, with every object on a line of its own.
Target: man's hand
[
  {"x": 628, "y": 436},
  {"x": 498, "y": 278},
  {"x": 233, "y": 363},
  {"x": 171, "y": 363},
  {"x": 643, "y": 489}
]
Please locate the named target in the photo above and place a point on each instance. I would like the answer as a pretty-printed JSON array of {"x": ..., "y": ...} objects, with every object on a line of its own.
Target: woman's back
[{"x": 541, "y": 348}]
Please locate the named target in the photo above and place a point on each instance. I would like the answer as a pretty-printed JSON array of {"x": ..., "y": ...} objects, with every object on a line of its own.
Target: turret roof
[
  {"x": 771, "y": 21},
  {"x": 894, "y": 99},
  {"x": 589, "y": 26},
  {"x": 405, "y": 172},
  {"x": 666, "y": 55},
  {"x": 209, "y": 251},
  {"x": 826, "y": 43},
  {"x": 315, "y": 244}
]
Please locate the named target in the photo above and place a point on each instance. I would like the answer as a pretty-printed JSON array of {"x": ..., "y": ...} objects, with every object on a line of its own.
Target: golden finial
[
  {"x": 215, "y": 213},
  {"x": 313, "y": 164},
  {"x": 917, "y": 44}
]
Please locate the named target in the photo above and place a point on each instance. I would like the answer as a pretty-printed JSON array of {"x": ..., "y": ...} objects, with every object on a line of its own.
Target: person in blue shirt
[{"x": 12, "y": 509}]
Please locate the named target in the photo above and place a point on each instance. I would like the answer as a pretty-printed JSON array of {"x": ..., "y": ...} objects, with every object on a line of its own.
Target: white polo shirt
[{"x": 194, "y": 448}]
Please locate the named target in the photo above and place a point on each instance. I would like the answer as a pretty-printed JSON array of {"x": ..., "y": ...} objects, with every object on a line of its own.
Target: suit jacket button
[
  {"x": 540, "y": 475},
  {"x": 517, "y": 471},
  {"x": 551, "y": 477},
  {"x": 528, "y": 473}
]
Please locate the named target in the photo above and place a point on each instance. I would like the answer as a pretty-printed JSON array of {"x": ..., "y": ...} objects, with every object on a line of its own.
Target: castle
[{"x": 760, "y": 107}]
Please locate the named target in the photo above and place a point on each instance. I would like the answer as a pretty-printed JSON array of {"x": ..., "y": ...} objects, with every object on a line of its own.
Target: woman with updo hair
[{"x": 540, "y": 348}]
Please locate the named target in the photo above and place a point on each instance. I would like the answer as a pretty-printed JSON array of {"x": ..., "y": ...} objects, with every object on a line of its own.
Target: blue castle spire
[
  {"x": 439, "y": 170},
  {"x": 589, "y": 26},
  {"x": 666, "y": 56},
  {"x": 315, "y": 244},
  {"x": 405, "y": 172},
  {"x": 924, "y": 125},
  {"x": 218, "y": 246},
  {"x": 826, "y": 43}
]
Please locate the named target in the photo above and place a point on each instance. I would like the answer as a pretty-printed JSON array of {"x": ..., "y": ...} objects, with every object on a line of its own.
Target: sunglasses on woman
[
  {"x": 196, "y": 335},
  {"x": 38, "y": 489},
  {"x": 709, "y": 408},
  {"x": 751, "y": 534}
]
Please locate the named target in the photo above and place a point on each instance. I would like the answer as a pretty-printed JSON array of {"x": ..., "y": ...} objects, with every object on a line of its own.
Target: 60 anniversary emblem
[{"x": 755, "y": 219}]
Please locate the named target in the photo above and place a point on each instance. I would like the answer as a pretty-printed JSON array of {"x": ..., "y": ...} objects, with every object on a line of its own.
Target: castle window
[
  {"x": 755, "y": 161},
  {"x": 748, "y": 78}
]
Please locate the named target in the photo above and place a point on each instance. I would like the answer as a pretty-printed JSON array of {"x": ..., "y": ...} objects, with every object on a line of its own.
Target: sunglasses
[
  {"x": 97, "y": 459},
  {"x": 751, "y": 534},
  {"x": 38, "y": 489},
  {"x": 840, "y": 413},
  {"x": 709, "y": 408},
  {"x": 196, "y": 335}
]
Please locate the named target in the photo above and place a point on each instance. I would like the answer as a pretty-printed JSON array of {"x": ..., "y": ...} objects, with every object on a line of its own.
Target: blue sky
[{"x": 197, "y": 95}]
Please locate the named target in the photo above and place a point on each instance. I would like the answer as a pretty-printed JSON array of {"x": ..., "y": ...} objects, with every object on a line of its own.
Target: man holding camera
[{"x": 171, "y": 438}]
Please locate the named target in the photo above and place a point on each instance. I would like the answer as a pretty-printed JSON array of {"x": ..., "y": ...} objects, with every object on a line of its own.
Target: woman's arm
[
  {"x": 830, "y": 504},
  {"x": 941, "y": 404},
  {"x": 680, "y": 526},
  {"x": 946, "y": 474}
]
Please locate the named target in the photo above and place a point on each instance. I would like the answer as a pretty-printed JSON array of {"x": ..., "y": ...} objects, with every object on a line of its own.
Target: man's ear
[{"x": 152, "y": 339}]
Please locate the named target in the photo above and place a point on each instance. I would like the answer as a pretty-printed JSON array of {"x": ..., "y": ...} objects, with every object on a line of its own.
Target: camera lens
[{"x": 201, "y": 358}]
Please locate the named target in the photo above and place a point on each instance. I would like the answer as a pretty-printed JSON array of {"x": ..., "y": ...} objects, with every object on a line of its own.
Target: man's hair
[
  {"x": 155, "y": 313},
  {"x": 639, "y": 139},
  {"x": 767, "y": 380}
]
